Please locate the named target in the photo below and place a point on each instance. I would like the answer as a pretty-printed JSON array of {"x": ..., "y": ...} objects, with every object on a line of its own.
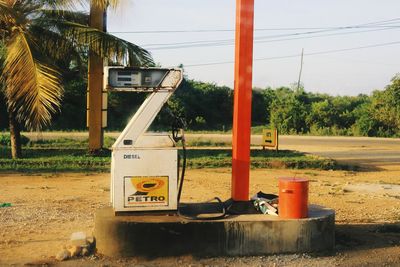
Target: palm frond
[
  {"x": 8, "y": 3},
  {"x": 7, "y": 13},
  {"x": 54, "y": 45},
  {"x": 63, "y": 4},
  {"x": 33, "y": 89},
  {"x": 50, "y": 17},
  {"x": 2, "y": 59},
  {"x": 72, "y": 4},
  {"x": 107, "y": 45}
]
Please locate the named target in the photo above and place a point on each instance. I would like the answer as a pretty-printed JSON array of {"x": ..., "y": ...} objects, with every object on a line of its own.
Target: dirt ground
[{"x": 47, "y": 208}]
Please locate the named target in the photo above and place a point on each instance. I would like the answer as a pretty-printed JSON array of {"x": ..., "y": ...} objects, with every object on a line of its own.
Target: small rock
[
  {"x": 79, "y": 239},
  {"x": 63, "y": 255},
  {"x": 75, "y": 251},
  {"x": 93, "y": 257},
  {"x": 85, "y": 252}
]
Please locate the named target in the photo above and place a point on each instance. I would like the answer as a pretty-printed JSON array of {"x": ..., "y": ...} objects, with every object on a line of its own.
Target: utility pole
[
  {"x": 95, "y": 86},
  {"x": 242, "y": 100},
  {"x": 301, "y": 69}
]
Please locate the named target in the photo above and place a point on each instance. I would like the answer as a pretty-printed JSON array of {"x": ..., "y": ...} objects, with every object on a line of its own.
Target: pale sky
[{"x": 201, "y": 31}]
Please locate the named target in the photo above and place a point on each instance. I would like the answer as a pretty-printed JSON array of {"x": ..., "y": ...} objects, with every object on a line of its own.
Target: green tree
[
  {"x": 321, "y": 114},
  {"x": 37, "y": 35},
  {"x": 259, "y": 107},
  {"x": 332, "y": 115},
  {"x": 269, "y": 97},
  {"x": 289, "y": 111},
  {"x": 392, "y": 103},
  {"x": 386, "y": 108},
  {"x": 365, "y": 123},
  {"x": 204, "y": 105}
]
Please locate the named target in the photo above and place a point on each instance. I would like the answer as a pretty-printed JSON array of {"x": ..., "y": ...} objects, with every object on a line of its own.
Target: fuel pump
[{"x": 144, "y": 167}]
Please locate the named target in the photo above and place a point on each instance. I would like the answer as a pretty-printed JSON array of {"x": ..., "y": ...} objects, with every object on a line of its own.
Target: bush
[
  {"x": 108, "y": 141},
  {"x": 5, "y": 140}
]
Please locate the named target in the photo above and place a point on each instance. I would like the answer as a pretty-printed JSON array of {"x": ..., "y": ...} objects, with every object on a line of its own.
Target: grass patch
[
  {"x": 70, "y": 155},
  {"x": 216, "y": 158},
  {"x": 201, "y": 142},
  {"x": 254, "y": 130},
  {"x": 54, "y": 160},
  {"x": 62, "y": 143},
  {"x": 56, "y": 155}
]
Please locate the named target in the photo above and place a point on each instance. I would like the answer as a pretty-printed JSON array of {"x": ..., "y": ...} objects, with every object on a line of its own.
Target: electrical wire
[
  {"x": 230, "y": 41},
  {"x": 370, "y": 27},
  {"x": 297, "y": 55},
  {"x": 368, "y": 24},
  {"x": 257, "y": 41}
]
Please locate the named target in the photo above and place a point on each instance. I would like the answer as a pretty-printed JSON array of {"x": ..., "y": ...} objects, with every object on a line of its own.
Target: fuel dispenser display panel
[
  {"x": 144, "y": 78},
  {"x": 121, "y": 78}
]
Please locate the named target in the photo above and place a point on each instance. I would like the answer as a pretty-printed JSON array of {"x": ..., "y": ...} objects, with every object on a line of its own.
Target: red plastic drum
[{"x": 293, "y": 198}]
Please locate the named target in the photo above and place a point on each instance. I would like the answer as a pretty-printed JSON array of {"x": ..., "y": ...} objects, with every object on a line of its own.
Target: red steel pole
[{"x": 242, "y": 100}]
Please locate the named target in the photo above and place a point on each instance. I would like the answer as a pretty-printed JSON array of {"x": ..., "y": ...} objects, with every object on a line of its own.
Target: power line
[
  {"x": 370, "y": 24},
  {"x": 228, "y": 30},
  {"x": 382, "y": 21},
  {"x": 257, "y": 40},
  {"x": 375, "y": 28},
  {"x": 297, "y": 55}
]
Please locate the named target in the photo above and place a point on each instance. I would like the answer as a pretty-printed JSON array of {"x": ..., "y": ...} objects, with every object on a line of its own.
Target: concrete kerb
[{"x": 243, "y": 235}]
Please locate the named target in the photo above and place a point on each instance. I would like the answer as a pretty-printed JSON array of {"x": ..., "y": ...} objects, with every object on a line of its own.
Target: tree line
[{"x": 207, "y": 106}]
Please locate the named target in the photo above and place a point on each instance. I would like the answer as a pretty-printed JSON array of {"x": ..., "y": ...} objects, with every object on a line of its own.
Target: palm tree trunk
[
  {"x": 15, "y": 136},
  {"x": 95, "y": 86}
]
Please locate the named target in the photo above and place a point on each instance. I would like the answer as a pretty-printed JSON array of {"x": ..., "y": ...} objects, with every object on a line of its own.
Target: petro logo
[
  {"x": 149, "y": 185},
  {"x": 146, "y": 191}
]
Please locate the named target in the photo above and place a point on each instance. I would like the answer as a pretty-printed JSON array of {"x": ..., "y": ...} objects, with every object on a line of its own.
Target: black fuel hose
[
  {"x": 178, "y": 134},
  {"x": 183, "y": 165}
]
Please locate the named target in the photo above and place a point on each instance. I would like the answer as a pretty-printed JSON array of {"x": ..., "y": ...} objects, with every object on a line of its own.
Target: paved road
[
  {"x": 377, "y": 153},
  {"x": 371, "y": 152}
]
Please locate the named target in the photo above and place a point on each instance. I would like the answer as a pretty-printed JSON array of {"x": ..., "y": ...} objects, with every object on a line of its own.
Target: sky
[{"x": 350, "y": 46}]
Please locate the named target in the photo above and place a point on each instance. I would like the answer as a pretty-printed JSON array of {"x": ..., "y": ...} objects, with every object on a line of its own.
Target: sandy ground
[{"x": 48, "y": 208}]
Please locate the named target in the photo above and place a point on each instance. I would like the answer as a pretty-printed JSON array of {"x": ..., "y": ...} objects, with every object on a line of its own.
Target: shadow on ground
[{"x": 361, "y": 236}]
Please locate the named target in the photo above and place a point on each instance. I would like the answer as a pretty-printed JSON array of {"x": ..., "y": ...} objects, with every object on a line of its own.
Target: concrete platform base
[{"x": 242, "y": 235}]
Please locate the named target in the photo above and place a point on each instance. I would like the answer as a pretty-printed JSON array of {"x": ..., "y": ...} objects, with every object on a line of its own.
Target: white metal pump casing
[
  {"x": 144, "y": 168},
  {"x": 156, "y": 167}
]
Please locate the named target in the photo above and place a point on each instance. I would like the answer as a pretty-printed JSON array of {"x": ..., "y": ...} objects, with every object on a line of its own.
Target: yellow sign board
[{"x": 270, "y": 138}]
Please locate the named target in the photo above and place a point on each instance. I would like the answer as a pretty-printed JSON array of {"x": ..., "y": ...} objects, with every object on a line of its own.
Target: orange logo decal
[{"x": 149, "y": 185}]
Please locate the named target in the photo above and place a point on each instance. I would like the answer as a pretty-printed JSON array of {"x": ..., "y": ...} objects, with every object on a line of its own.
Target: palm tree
[
  {"x": 37, "y": 33},
  {"x": 103, "y": 4}
]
